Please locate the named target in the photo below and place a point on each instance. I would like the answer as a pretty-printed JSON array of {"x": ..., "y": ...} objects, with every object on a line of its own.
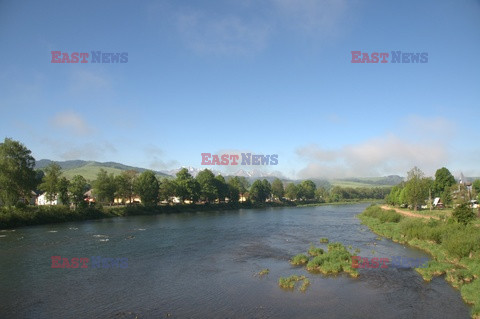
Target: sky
[{"x": 236, "y": 76}]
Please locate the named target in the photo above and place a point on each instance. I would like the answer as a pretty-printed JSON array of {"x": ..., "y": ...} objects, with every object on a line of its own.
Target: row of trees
[
  {"x": 18, "y": 178},
  {"x": 418, "y": 189}
]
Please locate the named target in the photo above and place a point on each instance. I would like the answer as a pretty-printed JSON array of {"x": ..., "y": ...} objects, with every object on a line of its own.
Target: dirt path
[{"x": 409, "y": 214}]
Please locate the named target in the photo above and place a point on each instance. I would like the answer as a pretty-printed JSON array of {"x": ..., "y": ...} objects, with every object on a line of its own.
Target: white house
[{"x": 42, "y": 200}]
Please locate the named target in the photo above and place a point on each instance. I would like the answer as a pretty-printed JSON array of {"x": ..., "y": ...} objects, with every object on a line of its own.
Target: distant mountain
[{"x": 90, "y": 169}]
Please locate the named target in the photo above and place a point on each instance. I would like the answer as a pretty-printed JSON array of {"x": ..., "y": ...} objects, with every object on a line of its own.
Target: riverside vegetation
[{"x": 454, "y": 244}]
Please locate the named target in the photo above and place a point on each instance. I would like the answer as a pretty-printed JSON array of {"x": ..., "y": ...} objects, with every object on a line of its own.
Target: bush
[
  {"x": 299, "y": 259},
  {"x": 314, "y": 251},
  {"x": 463, "y": 214},
  {"x": 383, "y": 215}
]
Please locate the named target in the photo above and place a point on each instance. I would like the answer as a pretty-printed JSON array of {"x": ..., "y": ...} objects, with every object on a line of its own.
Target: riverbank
[
  {"x": 455, "y": 248},
  {"x": 39, "y": 215}
]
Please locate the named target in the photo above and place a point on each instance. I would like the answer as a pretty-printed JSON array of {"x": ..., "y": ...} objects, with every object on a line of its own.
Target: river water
[{"x": 203, "y": 265}]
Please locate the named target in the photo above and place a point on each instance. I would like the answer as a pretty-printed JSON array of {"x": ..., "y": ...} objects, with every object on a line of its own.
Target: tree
[
  {"x": 187, "y": 186},
  {"x": 105, "y": 187},
  {"x": 307, "y": 189},
  {"x": 208, "y": 190},
  {"x": 78, "y": 187},
  {"x": 51, "y": 181},
  {"x": 321, "y": 194},
  {"x": 463, "y": 214},
  {"x": 147, "y": 187},
  {"x": 240, "y": 184},
  {"x": 168, "y": 188},
  {"x": 416, "y": 187},
  {"x": 476, "y": 186},
  {"x": 443, "y": 178},
  {"x": 277, "y": 189},
  {"x": 17, "y": 174},
  {"x": 222, "y": 187},
  {"x": 125, "y": 185},
  {"x": 63, "y": 185},
  {"x": 267, "y": 188},
  {"x": 291, "y": 191},
  {"x": 259, "y": 191}
]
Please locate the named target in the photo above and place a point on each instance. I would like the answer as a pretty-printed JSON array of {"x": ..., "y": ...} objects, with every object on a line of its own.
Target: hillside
[{"x": 90, "y": 169}]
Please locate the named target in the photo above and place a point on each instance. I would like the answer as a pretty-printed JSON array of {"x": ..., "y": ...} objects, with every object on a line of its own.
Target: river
[{"x": 203, "y": 265}]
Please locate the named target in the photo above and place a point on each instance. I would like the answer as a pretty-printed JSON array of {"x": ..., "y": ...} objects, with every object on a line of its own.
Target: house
[
  {"x": 42, "y": 200},
  {"x": 437, "y": 203}
]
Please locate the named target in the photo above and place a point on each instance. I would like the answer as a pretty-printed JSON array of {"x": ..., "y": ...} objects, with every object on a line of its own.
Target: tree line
[
  {"x": 419, "y": 190},
  {"x": 18, "y": 178}
]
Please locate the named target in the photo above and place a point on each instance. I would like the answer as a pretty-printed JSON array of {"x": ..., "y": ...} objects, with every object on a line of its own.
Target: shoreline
[{"x": 43, "y": 215}]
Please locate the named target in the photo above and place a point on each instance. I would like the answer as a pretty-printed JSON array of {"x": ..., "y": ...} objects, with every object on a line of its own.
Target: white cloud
[
  {"x": 375, "y": 157},
  {"x": 72, "y": 122}
]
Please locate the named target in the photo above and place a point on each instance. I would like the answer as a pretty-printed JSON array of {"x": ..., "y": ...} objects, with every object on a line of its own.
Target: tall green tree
[
  {"x": 105, "y": 187},
  {"x": 17, "y": 174},
  {"x": 222, "y": 187},
  {"x": 78, "y": 187},
  {"x": 476, "y": 186},
  {"x": 187, "y": 186},
  {"x": 267, "y": 188},
  {"x": 307, "y": 189},
  {"x": 63, "y": 185},
  {"x": 239, "y": 183},
  {"x": 125, "y": 183},
  {"x": 168, "y": 189},
  {"x": 443, "y": 179},
  {"x": 416, "y": 187},
  {"x": 258, "y": 191},
  {"x": 321, "y": 194},
  {"x": 277, "y": 189},
  {"x": 208, "y": 189},
  {"x": 51, "y": 181},
  {"x": 291, "y": 191},
  {"x": 147, "y": 187}
]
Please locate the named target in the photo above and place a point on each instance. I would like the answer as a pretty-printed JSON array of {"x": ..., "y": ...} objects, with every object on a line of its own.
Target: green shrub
[
  {"x": 324, "y": 240},
  {"x": 463, "y": 214},
  {"x": 299, "y": 259},
  {"x": 314, "y": 251}
]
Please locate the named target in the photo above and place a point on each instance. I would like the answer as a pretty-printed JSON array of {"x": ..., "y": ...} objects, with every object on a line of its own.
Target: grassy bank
[
  {"x": 455, "y": 248},
  {"x": 343, "y": 202}
]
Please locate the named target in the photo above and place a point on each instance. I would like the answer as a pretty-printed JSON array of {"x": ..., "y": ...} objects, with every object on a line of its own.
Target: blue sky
[{"x": 267, "y": 77}]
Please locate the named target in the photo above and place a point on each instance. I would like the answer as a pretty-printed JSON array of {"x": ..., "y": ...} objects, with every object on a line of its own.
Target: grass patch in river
[
  {"x": 263, "y": 272},
  {"x": 314, "y": 251},
  {"x": 290, "y": 282},
  {"x": 299, "y": 259},
  {"x": 336, "y": 260},
  {"x": 324, "y": 240}
]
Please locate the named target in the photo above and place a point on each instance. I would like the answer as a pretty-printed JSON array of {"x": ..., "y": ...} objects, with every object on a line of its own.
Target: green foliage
[
  {"x": 476, "y": 186},
  {"x": 17, "y": 174},
  {"x": 382, "y": 215},
  {"x": 125, "y": 185},
  {"x": 264, "y": 272},
  {"x": 299, "y": 259},
  {"x": 290, "y": 282},
  {"x": 416, "y": 187},
  {"x": 314, "y": 251},
  {"x": 51, "y": 181},
  {"x": 147, "y": 187},
  {"x": 463, "y": 214},
  {"x": 260, "y": 190},
  {"x": 77, "y": 188},
  {"x": 208, "y": 189},
  {"x": 277, "y": 188},
  {"x": 291, "y": 191},
  {"x": 186, "y": 186},
  {"x": 105, "y": 187},
  {"x": 336, "y": 260},
  {"x": 306, "y": 190},
  {"x": 63, "y": 185},
  {"x": 443, "y": 179},
  {"x": 168, "y": 188},
  {"x": 324, "y": 240}
]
